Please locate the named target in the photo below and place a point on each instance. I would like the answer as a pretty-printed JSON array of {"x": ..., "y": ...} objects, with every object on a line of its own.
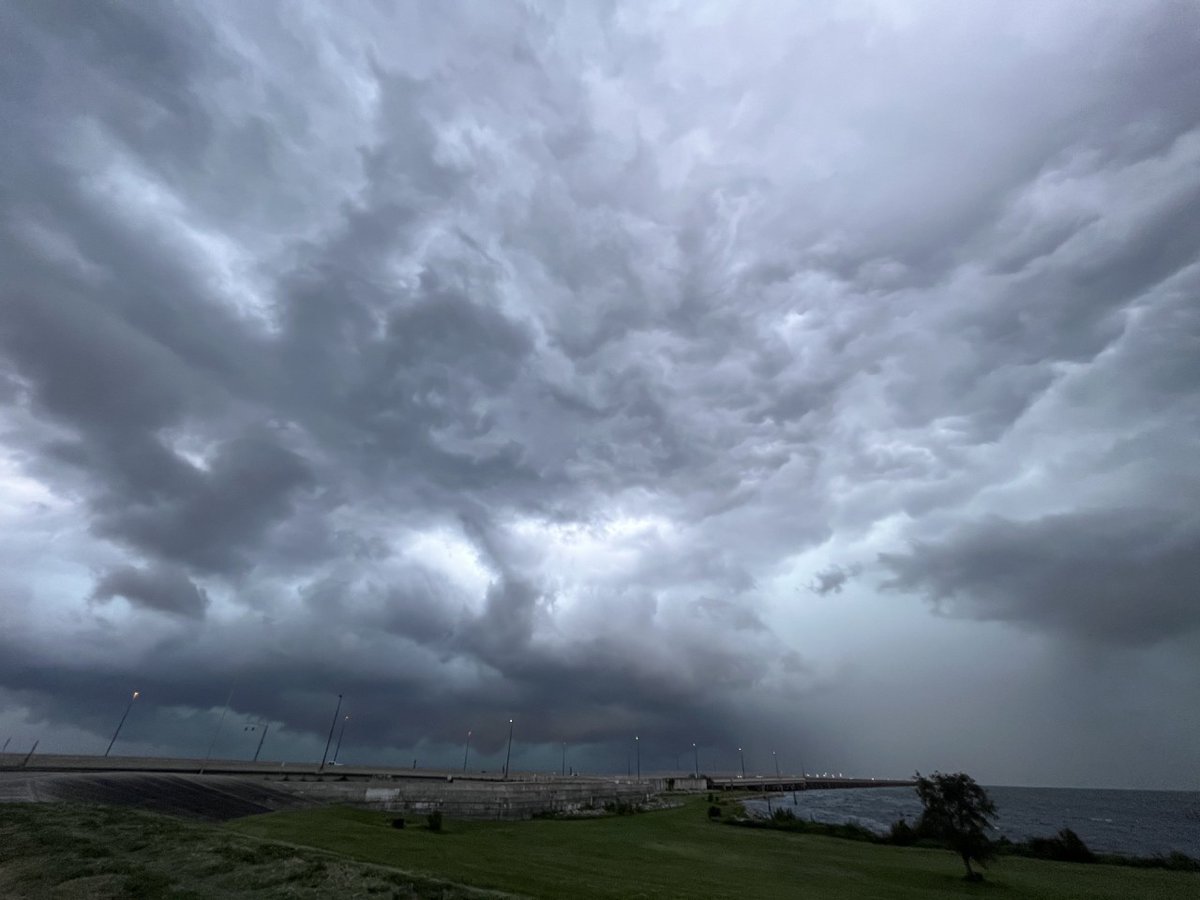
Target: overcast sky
[{"x": 817, "y": 379}]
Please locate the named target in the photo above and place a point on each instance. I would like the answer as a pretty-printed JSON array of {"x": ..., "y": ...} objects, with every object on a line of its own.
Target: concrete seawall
[
  {"x": 225, "y": 789},
  {"x": 477, "y": 799},
  {"x": 228, "y": 790}
]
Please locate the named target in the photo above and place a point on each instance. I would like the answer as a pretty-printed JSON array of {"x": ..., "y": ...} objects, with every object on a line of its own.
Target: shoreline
[{"x": 1130, "y": 830}]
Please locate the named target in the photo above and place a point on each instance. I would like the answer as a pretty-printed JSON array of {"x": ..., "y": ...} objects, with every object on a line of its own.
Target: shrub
[
  {"x": 398, "y": 822},
  {"x": 902, "y": 834},
  {"x": 435, "y": 820},
  {"x": 714, "y": 812},
  {"x": 1066, "y": 846},
  {"x": 622, "y": 808},
  {"x": 1180, "y": 862}
]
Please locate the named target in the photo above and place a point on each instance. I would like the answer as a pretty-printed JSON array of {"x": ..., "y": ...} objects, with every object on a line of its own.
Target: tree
[{"x": 957, "y": 811}]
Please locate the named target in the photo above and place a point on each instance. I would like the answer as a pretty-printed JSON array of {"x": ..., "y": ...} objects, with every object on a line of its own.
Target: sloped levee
[
  {"x": 210, "y": 798},
  {"x": 214, "y": 797}
]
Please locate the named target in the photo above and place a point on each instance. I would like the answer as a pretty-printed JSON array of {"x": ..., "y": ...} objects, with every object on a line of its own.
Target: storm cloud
[
  {"x": 681, "y": 371},
  {"x": 161, "y": 589}
]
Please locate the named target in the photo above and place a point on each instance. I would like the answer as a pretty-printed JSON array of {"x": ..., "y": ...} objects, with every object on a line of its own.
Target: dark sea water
[{"x": 1136, "y": 823}]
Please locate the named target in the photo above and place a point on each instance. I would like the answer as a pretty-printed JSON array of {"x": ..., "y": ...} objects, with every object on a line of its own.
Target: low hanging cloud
[
  {"x": 163, "y": 589},
  {"x": 1117, "y": 576}
]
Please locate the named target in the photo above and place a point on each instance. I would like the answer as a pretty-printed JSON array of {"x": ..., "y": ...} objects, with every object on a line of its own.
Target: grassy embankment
[
  {"x": 76, "y": 852},
  {"x": 679, "y": 853},
  {"x": 71, "y": 851}
]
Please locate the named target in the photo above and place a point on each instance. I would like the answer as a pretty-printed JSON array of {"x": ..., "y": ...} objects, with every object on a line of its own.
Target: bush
[
  {"x": 434, "y": 819},
  {"x": 622, "y": 808},
  {"x": 398, "y": 822},
  {"x": 1066, "y": 846},
  {"x": 1180, "y": 862},
  {"x": 783, "y": 816},
  {"x": 902, "y": 834},
  {"x": 714, "y": 812}
]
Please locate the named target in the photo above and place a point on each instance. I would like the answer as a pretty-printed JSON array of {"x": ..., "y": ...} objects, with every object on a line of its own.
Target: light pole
[
  {"x": 696, "y": 758},
  {"x": 122, "y": 722},
  {"x": 466, "y": 750},
  {"x": 341, "y": 734},
  {"x": 638, "y": 746},
  {"x": 262, "y": 737},
  {"x": 795, "y": 802},
  {"x": 743, "y": 758},
  {"x": 508, "y": 755},
  {"x": 332, "y": 725},
  {"x": 779, "y": 777},
  {"x": 216, "y": 734},
  {"x": 564, "y": 759}
]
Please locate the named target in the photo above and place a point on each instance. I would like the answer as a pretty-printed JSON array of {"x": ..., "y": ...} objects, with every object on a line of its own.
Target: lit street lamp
[
  {"x": 696, "y": 758},
  {"x": 638, "y": 745},
  {"x": 122, "y": 722},
  {"x": 743, "y": 758},
  {"x": 341, "y": 734}
]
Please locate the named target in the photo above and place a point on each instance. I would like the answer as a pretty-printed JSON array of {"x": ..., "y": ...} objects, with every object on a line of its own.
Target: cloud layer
[{"x": 620, "y": 369}]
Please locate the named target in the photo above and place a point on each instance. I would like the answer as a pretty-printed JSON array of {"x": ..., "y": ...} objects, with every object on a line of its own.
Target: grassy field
[
  {"x": 679, "y": 853},
  {"x": 69, "y": 851}
]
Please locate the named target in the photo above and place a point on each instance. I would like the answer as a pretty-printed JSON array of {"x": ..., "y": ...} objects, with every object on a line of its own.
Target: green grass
[
  {"x": 74, "y": 851},
  {"x": 679, "y": 853}
]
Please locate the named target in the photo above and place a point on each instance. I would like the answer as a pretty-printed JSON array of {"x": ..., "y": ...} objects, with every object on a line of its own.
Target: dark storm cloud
[
  {"x": 212, "y": 519},
  {"x": 163, "y": 589},
  {"x": 1125, "y": 576},
  {"x": 496, "y": 360}
]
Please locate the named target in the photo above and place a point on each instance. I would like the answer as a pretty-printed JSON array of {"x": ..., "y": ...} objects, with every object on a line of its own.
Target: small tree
[{"x": 957, "y": 811}]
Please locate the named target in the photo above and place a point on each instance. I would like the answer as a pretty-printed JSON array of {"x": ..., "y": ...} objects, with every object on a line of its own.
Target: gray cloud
[
  {"x": 162, "y": 589},
  {"x": 833, "y": 579},
  {"x": 1116, "y": 575},
  {"x": 506, "y": 360}
]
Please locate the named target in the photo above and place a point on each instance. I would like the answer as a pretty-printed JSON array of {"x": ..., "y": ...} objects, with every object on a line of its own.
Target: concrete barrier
[{"x": 230, "y": 789}]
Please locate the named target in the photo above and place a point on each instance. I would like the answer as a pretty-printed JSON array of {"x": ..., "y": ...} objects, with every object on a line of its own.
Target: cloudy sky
[{"x": 817, "y": 379}]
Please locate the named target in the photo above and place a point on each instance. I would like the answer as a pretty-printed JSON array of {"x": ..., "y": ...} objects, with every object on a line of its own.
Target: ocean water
[{"x": 1137, "y": 823}]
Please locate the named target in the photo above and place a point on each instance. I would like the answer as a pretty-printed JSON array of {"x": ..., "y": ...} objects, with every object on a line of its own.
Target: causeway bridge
[
  {"x": 782, "y": 783},
  {"x": 222, "y": 789}
]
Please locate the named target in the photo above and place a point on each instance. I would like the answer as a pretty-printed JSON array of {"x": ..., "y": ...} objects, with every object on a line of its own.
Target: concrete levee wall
[{"x": 477, "y": 799}]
